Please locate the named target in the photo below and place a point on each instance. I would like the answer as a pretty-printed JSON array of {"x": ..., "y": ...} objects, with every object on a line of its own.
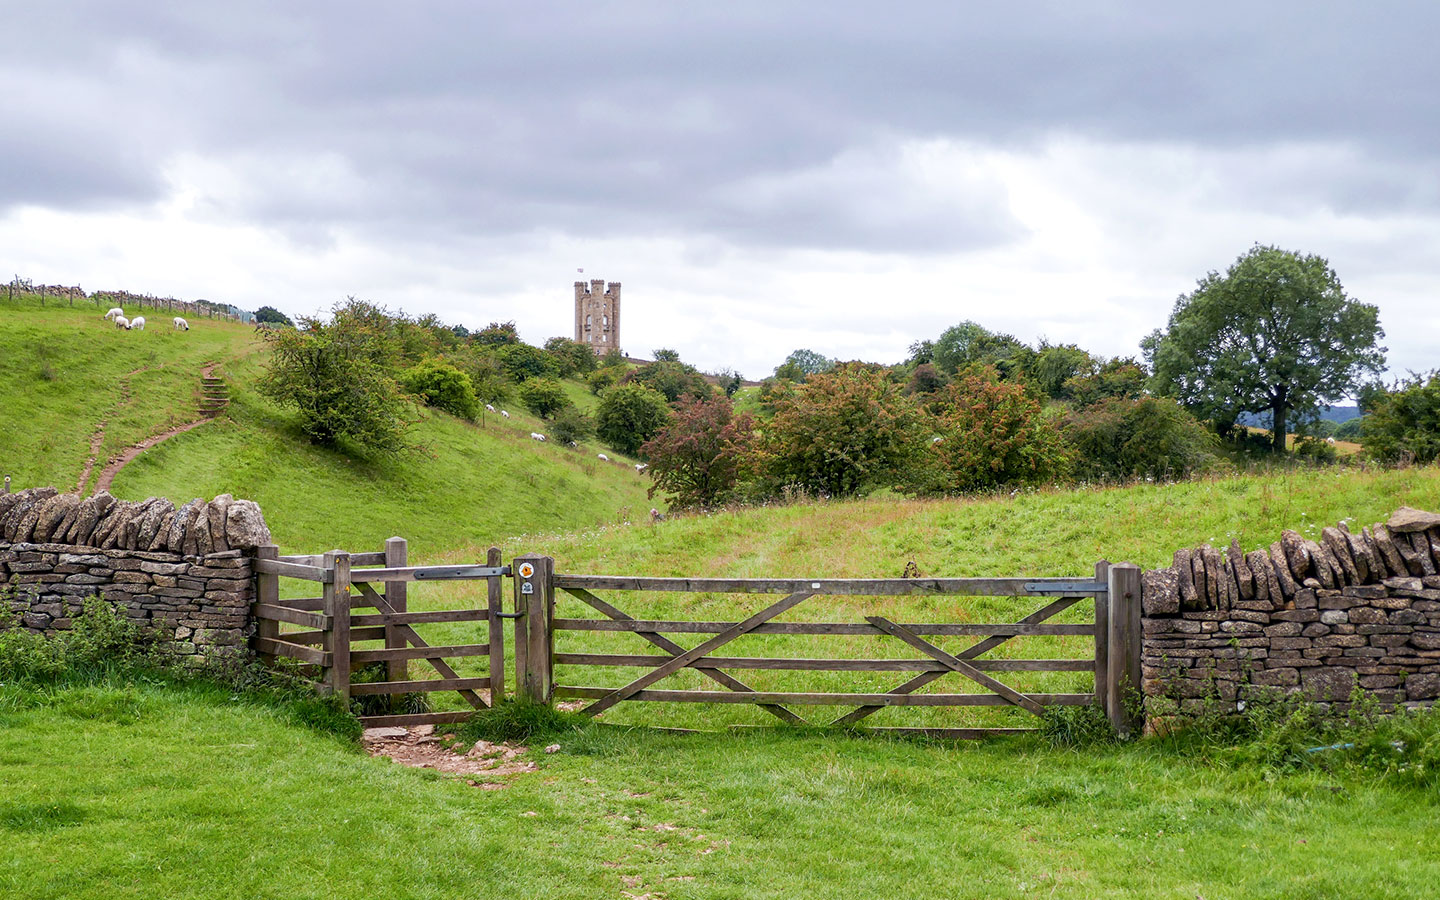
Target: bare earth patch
[{"x": 421, "y": 748}]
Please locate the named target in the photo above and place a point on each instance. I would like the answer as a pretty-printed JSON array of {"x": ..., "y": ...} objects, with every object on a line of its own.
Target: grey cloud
[{"x": 733, "y": 120}]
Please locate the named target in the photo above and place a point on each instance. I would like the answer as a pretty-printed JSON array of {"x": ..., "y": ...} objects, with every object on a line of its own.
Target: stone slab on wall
[{"x": 1312, "y": 617}]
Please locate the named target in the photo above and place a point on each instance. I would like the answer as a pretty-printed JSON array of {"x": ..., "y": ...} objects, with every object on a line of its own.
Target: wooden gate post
[
  {"x": 495, "y": 595},
  {"x": 1124, "y": 650},
  {"x": 1102, "y": 636},
  {"x": 396, "y": 554},
  {"x": 534, "y": 600},
  {"x": 336, "y": 606},
  {"x": 267, "y": 590}
]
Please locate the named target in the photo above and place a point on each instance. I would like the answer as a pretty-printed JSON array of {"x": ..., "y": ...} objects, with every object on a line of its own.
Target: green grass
[
  {"x": 60, "y": 372},
  {"x": 191, "y": 792}
]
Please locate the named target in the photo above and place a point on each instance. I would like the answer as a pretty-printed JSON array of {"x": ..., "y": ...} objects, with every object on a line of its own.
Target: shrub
[
  {"x": 699, "y": 457},
  {"x": 442, "y": 386},
  {"x": 604, "y": 378},
  {"x": 337, "y": 376},
  {"x": 993, "y": 434},
  {"x": 522, "y": 362},
  {"x": 1150, "y": 437},
  {"x": 544, "y": 397},
  {"x": 572, "y": 426},
  {"x": 840, "y": 433},
  {"x": 1403, "y": 423},
  {"x": 629, "y": 415},
  {"x": 98, "y": 642},
  {"x": 269, "y": 315},
  {"x": 671, "y": 378},
  {"x": 497, "y": 334}
]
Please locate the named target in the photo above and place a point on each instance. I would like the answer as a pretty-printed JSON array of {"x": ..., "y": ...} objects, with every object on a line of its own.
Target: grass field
[{"x": 64, "y": 373}]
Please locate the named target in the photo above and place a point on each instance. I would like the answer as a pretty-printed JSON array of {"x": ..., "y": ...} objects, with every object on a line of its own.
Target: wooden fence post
[
  {"x": 336, "y": 605},
  {"x": 534, "y": 597},
  {"x": 396, "y": 554},
  {"x": 1102, "y": 635},
  {"x": 1124, "y": 649},
  {"x": 267, "y": 590},
  {"x": 496, "y": 597}
]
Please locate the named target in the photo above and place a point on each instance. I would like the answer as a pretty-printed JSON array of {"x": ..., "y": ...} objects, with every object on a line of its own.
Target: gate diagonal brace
[
  {"x": 964, "y": 668},
  {"x": 676, "y": 663},
  {"x": 413, "y": 637},
  {"x": 1040, "y": 615},
  {"x": 669, "y": 646}
]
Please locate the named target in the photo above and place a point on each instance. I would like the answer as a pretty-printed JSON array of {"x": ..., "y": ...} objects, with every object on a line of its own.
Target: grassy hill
[{"x": 67, "y": 376}]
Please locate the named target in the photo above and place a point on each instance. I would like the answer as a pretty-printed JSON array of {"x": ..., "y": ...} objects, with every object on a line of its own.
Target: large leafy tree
[
  {"x": 971, "y": 344},
  {"x": 1403, "y": 424},
  {"x": 1276, "y": 332}
]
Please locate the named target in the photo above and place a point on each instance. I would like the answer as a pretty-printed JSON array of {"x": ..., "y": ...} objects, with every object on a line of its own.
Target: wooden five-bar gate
[{"x": 336, "y": 635}]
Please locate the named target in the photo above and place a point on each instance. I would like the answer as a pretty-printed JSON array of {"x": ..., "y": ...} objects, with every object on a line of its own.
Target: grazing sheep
[
  {"x": 489, "y": 408},
  {"x": 602, "y": 457},
  {"x": 181, "y": 324},
  {"x": 137, "y": 323},
  {"x": 122, "y": 322},
  {"x": 640, "y": 467},
  {"x": 114, "y": 311},
  {"x": 1330, "y": 441},
  {"x": 504, "y": 413},
  {"x": 534, "y": 436}
]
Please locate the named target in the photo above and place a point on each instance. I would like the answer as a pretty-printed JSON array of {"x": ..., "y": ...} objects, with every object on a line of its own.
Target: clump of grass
[
  {"x": 521, "y": 720},
  {"x": 384, "y": 704},
  {"x": 1076, "y": 726},
  {"x": 1283, "y": 735}
]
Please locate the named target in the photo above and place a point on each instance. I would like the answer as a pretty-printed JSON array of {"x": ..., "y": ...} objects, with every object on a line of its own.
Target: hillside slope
[{"x": 68, "y": 380}]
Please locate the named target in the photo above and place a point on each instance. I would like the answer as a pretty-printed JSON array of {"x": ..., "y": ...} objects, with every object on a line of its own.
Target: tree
[
  {"x": 1120, "y": 377},
  {"x": 442, "y": 386},
  {"x": 1056, "y": 364},
  {"x": 841, "y": 433},
  {"x": 544, "y": 397},
  {"x": 801, "y": 364},
  {"x": 571, "y": 426},
  {"x": 337, "y": 375},
  {"x": 971, "y": 344},
  {"x": 1403, "y": 425},
  {"x": 571, "y": 357},
  {"x": 522, "y": 361},
  {"x": 1276, "y": 332},
  {"x": 673, "y": 379},
  {"x": 497, "y": 334},
  {"x": 1152, "y": 437},
  {"x": 629, "y": 415},
  {"x": 664, "y": 354},
  {"x": 993, "y": 433},
  {"x": 269, "y": 315},
  {"x": 700, "y": 455}
]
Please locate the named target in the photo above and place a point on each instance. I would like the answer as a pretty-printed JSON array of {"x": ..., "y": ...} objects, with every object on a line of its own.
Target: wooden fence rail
[{"x": 323, "y": 631}]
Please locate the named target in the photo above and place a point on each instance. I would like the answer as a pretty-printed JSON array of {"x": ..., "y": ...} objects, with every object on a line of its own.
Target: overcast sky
[{"x": 760, "y": 176}]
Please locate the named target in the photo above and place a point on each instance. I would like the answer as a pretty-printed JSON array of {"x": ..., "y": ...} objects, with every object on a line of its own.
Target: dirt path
[
  {"x": 124, "y": 457},
  {"x": 420, "y": 747}
]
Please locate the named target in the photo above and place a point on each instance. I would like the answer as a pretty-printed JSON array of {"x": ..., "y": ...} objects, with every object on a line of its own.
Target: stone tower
[{"x": 597, "y": 315}]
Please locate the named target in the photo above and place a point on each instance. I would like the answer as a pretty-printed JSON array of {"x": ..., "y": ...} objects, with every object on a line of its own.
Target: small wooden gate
[{"x": 341, "y": 637}]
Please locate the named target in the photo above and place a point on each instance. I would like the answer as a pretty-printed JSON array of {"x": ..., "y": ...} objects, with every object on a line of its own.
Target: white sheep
[
  {"x": 504, "y": 413},
  {"x": 122, "y": 322},
  {"x": 114, "y": 311},
  {"x": 489, "y": 408},
  {"x": 181, "y": 324},
  {"x": 137, "y": 323},
  {"x": 640, "y": 467},
  {"x": 602, "y": 457},
  {"x": 535, "y": 436},
  {"x": 1330, "y": 441}
]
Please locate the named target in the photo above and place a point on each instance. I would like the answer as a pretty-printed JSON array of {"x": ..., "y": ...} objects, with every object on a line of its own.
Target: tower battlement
[{"x": 597, "y": 315}]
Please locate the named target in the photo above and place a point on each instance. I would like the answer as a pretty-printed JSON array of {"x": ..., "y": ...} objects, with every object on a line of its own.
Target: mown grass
[{"x": 138, "y": 790}]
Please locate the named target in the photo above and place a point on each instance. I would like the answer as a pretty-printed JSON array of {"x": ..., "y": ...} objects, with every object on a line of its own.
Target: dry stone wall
[
  {"x": 184, "y": 573},
  {"x": 1315, "y": 617}
]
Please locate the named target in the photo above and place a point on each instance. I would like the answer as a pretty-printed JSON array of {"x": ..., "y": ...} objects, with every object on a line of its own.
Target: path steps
[{"x": 214, "y": 395}]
